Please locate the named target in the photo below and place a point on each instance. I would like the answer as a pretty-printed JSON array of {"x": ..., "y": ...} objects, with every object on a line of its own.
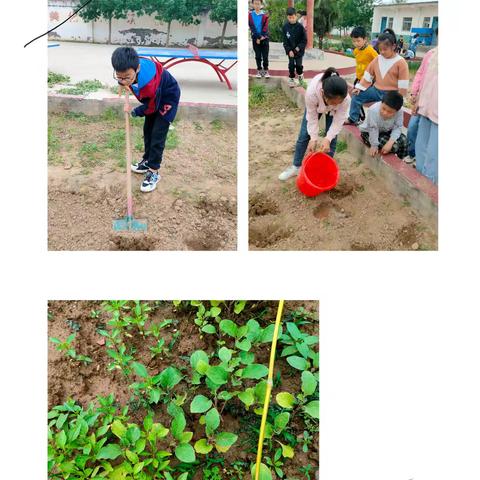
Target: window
[
  {"x": 426, "y": 22},
  {"x": 407, "y": 24},
  {"x": 390, "y": 22}
]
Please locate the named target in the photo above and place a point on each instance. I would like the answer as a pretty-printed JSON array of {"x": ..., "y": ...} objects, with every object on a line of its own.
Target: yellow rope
[{"x": 266, "y": 403}]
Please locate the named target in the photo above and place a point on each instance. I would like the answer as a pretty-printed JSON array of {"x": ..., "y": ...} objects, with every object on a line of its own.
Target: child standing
[
  {"x": 389, "y": 71},
  {"x": 364, "y": 53},
  {"x": 426, "y": 145},
  {"x": 382, "y": 130},
  {"x": 258, "y": 23},
  {"x": 326, "y": 94},
  {"x": 294, "y": 42},
  {"x": 159, "y": 95}
]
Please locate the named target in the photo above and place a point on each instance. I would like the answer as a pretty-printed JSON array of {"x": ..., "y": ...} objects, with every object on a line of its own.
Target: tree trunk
[
  {"x": 223, "y": 33},
  {"x": 291, "y": 3},
  {"x": 110, "y": 30},
  {"x": 168, "y": 33},
  {"x": 310, "y": 20}
]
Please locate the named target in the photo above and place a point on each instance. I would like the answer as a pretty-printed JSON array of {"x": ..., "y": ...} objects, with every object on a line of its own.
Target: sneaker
[
  {"x": 266, "y": 74},
  {"x": 352, "y": 122},
  {"x": 300, "y": 79},
  {"x": 409, "y": 160},
  {"x": 140, "y": 167},
  {"x": 259, "y": 74},
  {"x": 291, "y": 82},
  {"x": 150, "y": 181},
  {"x": 291, "y": 171}
]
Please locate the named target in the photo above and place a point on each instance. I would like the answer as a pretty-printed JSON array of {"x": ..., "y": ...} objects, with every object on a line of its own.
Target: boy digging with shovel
[{"x": 159, "y": 95}]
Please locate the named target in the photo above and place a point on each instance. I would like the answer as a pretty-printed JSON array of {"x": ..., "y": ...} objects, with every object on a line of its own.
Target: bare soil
[
  {"x": 359, "y": 214},
  {"x": 83, "y": 383},
  {"x": 192, "y": 208}
]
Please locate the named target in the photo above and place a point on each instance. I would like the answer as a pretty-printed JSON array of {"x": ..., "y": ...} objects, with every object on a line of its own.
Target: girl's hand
[
  {"x": 312, "y": 146},
  {"x": 325, "y": 145},
  {"x": 355, "y": 91},
  {"x": 373, "y": 151}
]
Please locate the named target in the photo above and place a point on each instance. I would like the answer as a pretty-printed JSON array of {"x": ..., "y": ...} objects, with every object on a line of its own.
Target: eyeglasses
[{"x": 120, "y": 79}]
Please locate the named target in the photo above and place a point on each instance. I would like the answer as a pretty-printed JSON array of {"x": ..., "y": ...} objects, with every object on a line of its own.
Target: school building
[{"x": 408, "y": 18}]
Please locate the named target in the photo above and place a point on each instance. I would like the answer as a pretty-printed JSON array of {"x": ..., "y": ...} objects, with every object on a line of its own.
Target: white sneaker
[
  {"x": 291, "y": 171},
  {"x": 409, "y": 160},
  {"x": 300, "y": 78},
  {"x": 259, "y": 74},
  {"x": 266, "y": 74},
  {"x": 291, "y": 82}
]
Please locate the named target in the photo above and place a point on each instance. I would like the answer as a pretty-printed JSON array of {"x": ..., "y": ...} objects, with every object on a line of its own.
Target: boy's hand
[
  {"x": 127, "y": 108},
  {"x": 312, "y": 146},
  {"x": 387, "y": 147},
  {"x": 325, "y": 145},
  {"x": 258, "y": 41},
  {"x": 291, "y": 54},
  {"x": 373, "y": 151}
]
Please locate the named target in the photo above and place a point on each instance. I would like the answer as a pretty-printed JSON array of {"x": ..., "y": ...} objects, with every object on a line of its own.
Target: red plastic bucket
[{"x": 318, "y": 174}]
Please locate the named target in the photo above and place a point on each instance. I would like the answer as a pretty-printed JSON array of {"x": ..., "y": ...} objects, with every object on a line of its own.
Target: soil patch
[
  {"x": 196, "y": 194},
  {"x": 360, "y": 213}
]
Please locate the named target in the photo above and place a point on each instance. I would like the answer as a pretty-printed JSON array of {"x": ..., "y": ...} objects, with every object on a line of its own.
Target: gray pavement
[{"x": 86, "y": 61}]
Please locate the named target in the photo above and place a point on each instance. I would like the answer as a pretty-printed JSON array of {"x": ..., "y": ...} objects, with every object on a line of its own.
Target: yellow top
[{"x": 363, "y": 57}]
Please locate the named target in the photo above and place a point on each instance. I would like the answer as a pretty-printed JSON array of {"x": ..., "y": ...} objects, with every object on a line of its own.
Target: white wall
[
  {"x": 418, "y": 12},
  {"x": 144, "y": 30}
]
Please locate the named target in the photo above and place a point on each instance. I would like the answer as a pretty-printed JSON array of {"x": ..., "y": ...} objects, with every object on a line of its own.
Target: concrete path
[
  {"x": 86, "y": 61},
  {"x": 329, "y": 60}
]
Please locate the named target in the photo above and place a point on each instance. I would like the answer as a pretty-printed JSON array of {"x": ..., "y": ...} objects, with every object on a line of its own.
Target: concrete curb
[
  {"x": 401, "y": 178},
  {"x": 306, "y": 73},
  {"x": 91, "y": 106}
]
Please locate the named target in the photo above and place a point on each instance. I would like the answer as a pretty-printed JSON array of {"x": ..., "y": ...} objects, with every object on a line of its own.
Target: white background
[{"x": 400, "y": 336}]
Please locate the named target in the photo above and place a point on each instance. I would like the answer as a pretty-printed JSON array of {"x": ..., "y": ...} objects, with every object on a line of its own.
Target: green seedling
[
  {"x": 158, "y": 349},
  {"x": 302, "y": 400},
  {"x": 152, "y": 389},
  {"x": 276, "y": 463},
  {"x": 306, "y": 440},
  {"x": 299, "y": 342},
  {"x": 68, "y": 349},
  {"x": 121, "y": 360},
  {"x": 306, "y": 471},
  {"x": 155, "y": 329},
  {"x": 205, "y": 319},
  {"x": 138, "y": 317}
]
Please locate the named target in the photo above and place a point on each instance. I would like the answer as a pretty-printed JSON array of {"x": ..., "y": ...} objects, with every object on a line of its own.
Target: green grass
[
  {"x": 216, "y": 124},
  {"x": 257, "y": 94},
  {"x": 109, "y": 114},
  {"x": 413, "y": 66},
  {"x": 172, "y": 139},
  {"x": 54, "y": 78},
  {"x": 89, "y": 155},
  {"x": 83, "y": 87},
  {"x": 342, "y": 146},
  {"x": 53, "y": 146}
]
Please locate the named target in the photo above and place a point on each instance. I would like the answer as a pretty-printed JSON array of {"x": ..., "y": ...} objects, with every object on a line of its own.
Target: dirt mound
[
  {"x": 272, "y": 233},
  {"x": 132, "y": 241},
  {"x": 261, "y": 204},
  {"x": 407, "y": 235}
]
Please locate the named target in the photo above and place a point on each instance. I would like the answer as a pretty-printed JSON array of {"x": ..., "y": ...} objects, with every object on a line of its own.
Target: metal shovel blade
[{"x": 129, "y": 224}]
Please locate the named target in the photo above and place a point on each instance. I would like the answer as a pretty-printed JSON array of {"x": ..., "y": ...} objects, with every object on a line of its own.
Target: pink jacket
[
  {"x": 420, "y": 75},
  {"x": 315, "y": 105},
  {"x": 428, "y": 92}
]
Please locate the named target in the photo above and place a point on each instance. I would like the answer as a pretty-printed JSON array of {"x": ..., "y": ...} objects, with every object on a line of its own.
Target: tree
[
  {"x": 108, "y": 9},
  {"x": 183, "y": 11},
  {"x": 355, "y": 13},
  {"x": 327, "y": 13},
  {"x": 223, "y": 11}
]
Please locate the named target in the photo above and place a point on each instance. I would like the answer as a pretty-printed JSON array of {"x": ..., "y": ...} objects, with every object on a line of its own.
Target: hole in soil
[
  {"x": 265, "y": 236},
  {"x": 261, "y": 204},
  {"x": 342, "y": 190},
  {"x": 132, "y": 241},
  {"x": 359, "y": 246},
  {"x": 407, "y": 235},
  {"x": 205, "y": 241},
  {"x": 322, "y": 211}
]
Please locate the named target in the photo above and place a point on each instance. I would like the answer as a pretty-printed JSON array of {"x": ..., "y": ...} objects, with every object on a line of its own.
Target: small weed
[
  {"x": 216, "y": 124},
  {"x": 342, "y": 146},
  {"x": 54, "y": 78},
  {"x": 78, "y": 117},
  {"x": 109, "y": 114},
  {"x": 257, "y": 95},
  {"x": 198, "y": 127},
  {"x": 68, "y": 349},
  {"x": 172, "y": 139}
]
